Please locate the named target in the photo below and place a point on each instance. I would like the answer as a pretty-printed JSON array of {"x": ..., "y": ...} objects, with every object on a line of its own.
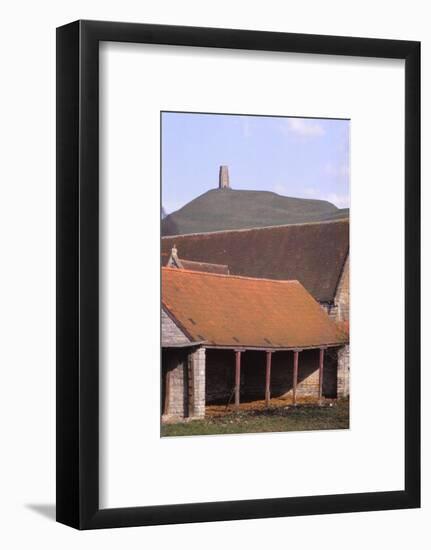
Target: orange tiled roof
[
  {"x": 343, "y": 326},
  {"x": 237, "y": 311}
]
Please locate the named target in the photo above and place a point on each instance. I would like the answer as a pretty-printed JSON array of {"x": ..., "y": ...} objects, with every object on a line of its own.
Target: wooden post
[
  {"x": 295, "y": 374},
  {"x": 237, "y": 377},
  {"x": 268, "y": 378},
  {"x": 166, "y": 404},
  {"x": 321, "y": 355}
]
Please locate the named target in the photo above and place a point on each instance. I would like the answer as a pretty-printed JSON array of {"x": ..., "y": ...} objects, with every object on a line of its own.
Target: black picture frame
[{"x": 78, "y": 274}]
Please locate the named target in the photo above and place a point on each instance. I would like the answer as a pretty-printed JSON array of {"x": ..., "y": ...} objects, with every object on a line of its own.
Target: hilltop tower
[{"x": 223, "y": 178}]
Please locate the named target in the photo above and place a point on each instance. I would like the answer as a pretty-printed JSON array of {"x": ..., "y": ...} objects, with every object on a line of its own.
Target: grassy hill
[{"x": 221, "y": 209}]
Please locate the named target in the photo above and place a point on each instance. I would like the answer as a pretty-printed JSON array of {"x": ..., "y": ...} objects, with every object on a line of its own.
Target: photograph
[
  {"x": 255, "y": 290},
  {"x": 191, "y": 355}
]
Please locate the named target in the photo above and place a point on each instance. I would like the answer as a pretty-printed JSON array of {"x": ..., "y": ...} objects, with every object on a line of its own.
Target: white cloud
[{"x": 302, "y": 127}]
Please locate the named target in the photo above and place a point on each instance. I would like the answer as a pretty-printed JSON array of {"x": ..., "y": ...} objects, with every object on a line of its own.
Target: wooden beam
[
  {"x": 321, "y": 356},
  {"x": 237, "y": 377},
  {"x": 268, "y": 378},
  {"x": 295, "y": 374}
]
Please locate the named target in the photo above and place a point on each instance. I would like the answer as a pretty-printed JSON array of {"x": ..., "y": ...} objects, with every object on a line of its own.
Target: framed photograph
[{"x": 238, "y": 282}]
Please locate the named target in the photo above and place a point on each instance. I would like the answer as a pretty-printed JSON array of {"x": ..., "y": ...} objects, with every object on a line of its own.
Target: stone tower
[{"x": 223, "y": 179}]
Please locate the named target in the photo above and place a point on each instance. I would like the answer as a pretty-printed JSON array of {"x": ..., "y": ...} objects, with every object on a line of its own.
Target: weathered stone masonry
[
  {"x": 174, "y": 378},
  {"x": 183, "y": 382},
  {"x": 172, "y": 335},
  {"x": 342, "y": 296},
  {"x": 343, "y": 373},
  {"x": 196, "y": 366},
  {"x": 342, "y": 301},
  {"x": 183, "y": 373},
  {"x": 339, "y": 309}
]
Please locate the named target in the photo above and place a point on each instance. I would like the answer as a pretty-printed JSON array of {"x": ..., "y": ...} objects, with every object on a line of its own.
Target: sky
[{"x": 295, "y": 157}]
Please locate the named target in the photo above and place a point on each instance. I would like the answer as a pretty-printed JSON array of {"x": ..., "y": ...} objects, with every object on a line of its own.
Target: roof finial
[{"x": 174, "y": 261}]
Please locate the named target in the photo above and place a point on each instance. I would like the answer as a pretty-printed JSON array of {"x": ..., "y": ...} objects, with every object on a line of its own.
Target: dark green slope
[{"x": 218, "y": 210}]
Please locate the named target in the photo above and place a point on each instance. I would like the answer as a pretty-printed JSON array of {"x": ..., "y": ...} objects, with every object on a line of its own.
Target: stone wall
[
  {"x": 196, "y": 378},
  {"x": 172, "y": 335},
  {"x": 342, "y": 296},
  {"x": 308, "y": 374},
  {"x": 183, "y": 382},
  {"x": 343, "y": 372},
  {"x": 329, "y": 308},
  {"x": 174, "y": 380},
  {"x": 342, "y": 301},
  {"x": 339, "y": 310}
]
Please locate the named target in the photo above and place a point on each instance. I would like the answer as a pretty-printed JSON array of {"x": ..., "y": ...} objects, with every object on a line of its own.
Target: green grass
[{"x": 280, "y": 419}]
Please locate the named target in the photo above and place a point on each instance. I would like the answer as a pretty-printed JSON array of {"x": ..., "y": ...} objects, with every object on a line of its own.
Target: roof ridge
[
  {"x": 325, "y": 222},
  {"x": 200, "y": 262},
  {"x": 206, "y": 273}
]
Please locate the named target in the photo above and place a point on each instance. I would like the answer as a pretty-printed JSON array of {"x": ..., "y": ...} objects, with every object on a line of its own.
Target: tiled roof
[
  {"x": 344, "y": 326},
  {"x": 233, "y": 311},
  {"x": 312, "y": 253},
  {"x": 205, "y": 267}
]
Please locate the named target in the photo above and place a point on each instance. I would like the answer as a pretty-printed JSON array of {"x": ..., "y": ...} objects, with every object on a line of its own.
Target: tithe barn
[{"x": 229, "y": 338}]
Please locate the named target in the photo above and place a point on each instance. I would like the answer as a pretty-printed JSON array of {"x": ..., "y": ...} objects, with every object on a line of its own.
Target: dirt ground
[{"x": 212, "y": 411}]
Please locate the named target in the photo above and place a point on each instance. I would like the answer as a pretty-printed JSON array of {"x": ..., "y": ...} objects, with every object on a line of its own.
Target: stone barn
[{"x": 231, "y": 339}]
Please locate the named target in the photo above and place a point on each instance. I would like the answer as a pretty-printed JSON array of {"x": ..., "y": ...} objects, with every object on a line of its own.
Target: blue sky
[{"x": 295, "y": 157}]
